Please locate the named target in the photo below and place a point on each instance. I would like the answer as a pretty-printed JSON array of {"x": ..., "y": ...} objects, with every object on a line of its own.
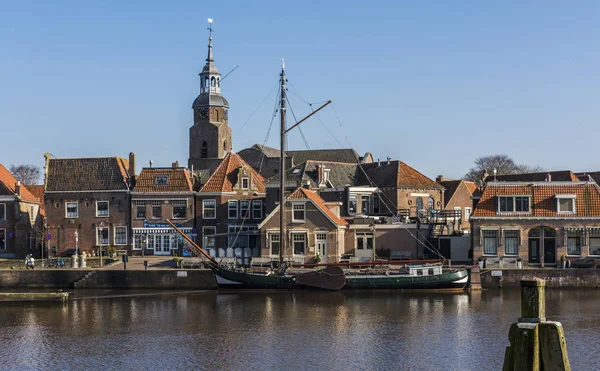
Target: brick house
[
  {"x": 160, "y": 194},
  {"x": 20, "y": 219},
  {"x": 314, "y": 228},
  {"x": 458, "y": 196},
  {"x": 231, "y": 205},
  {"x": 89, "y": 196},
  {"x": 537, "y": 221}
]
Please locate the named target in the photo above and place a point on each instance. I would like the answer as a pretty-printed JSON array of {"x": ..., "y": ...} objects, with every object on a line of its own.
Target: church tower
[{"x": 210, "y": 135}]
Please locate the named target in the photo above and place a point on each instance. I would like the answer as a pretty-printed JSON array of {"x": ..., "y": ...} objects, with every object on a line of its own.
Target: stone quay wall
[{"x": 555, "y": 278}]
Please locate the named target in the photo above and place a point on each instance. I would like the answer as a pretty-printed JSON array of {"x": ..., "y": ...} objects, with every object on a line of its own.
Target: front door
[
  {"x": 534, "y": 250},
  {"x": 321, "y": 242},
  {"x": 549, "y": 251},
  {"x": 162, "y": 244}
]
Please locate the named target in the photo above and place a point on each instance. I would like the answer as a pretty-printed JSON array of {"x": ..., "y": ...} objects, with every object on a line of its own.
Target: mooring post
[{"x": 535, "y": 344}]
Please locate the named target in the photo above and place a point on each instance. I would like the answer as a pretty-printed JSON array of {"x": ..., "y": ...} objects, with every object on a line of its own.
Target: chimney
[
  {"x": 150, "y": 164},
  {"x": 131, "y": 164},
  {"x": 548, "y": 177},
  {"x": 306, "y": 184},
  {"x": 388, "y": 160},
  {"x": 439, "y": 178},
  {"x": 18, "y": 189},
  {"x": 335, "y": 207},
  {"x": 378, "y": 163}
]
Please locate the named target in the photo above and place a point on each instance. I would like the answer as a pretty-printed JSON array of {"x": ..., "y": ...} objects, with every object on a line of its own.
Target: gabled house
[
  {"x": 458, "y": 196},
  {"x": 537, "y": 221},
  {"x": 160, "y": 194},
  {"x": 314, "y": 228},
  {"x": 87, "y": 203},
  {"x": 20, "y": 220},
  {"x": 230, "y": 205}
]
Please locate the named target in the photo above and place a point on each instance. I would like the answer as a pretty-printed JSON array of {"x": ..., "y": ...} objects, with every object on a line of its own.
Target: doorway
[
  {"x": 542, "y": 242},
  {"x": 321, "y": 243}
]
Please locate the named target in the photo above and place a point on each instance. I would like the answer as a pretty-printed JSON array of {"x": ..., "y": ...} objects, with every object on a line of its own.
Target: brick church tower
[{"x": 210, "y": 136}]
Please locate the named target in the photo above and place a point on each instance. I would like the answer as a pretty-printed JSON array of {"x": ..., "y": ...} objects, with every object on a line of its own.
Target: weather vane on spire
[{"x": 209, "y": 28}]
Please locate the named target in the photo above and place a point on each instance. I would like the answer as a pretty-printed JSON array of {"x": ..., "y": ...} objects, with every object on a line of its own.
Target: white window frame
[
  {"x": 305, "y": 240},
  {"x": 230, "y": 208},
  {"x": 459, "y": 209},
  {"x": 271, "y": 235},
  {"x": 257, "y": 206},
  {"x": 107, "y": 237},
  {"x": 107, "y": 209},
  {"x": 67, "y": 209},
  {"x": 139, "y": 204},
  {"x": 5, "y": 237},
  {"x": 246, "y": 180},
  {"x": 178, "y": 203},
  {"x": 496, "y": 243},
  {"x": 115, "y": 235},
  {"x": 3, "y": 208},
  {"x": 247, "y": 209},
  {"x": 468, "y": 214},
  {"x": 154, "y": 204},
  {"x": 301, "y": 207},
  {"x": 563, "y": 197},
  {"x": 141, "y": 237},
  {"x": 518, "y": 240},
  {"x": 204, "y": 235},
  {"x": 213, "y": 208}
]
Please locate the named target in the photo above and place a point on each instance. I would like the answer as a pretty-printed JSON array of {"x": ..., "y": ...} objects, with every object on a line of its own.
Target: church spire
[
  {"x": 210, "y": 78},
  {"x": 210, "y": 59}
]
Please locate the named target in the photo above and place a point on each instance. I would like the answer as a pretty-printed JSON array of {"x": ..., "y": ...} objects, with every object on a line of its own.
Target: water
[{"x": 293, "y": 330}]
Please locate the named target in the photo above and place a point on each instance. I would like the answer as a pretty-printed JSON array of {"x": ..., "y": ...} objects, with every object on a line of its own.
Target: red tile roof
[
  {"x": 302, "y": 193},
  {"x": 472, "y": 186},
  {"x": 543, "y": 198},
  {"x": 225, "y": 176},
  {"x": 395, "y": 174},
  {"x": 9, "y": 183},
  {"x": 38, "y": 192},
  {"x": 178, "y": 180}
]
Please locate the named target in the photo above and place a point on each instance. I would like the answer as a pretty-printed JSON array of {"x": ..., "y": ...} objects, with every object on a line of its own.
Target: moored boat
[{"x": 415, "y": 277}]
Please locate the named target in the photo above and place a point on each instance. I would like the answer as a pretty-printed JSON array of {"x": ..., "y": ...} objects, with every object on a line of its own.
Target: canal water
[{"x": 288, "y": 330}]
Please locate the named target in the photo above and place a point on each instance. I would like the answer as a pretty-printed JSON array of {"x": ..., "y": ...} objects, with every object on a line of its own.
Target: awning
[{"x": 160, "y": 230}]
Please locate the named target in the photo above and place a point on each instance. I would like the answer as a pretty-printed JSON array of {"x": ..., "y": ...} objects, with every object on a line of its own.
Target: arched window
[
  {"x": 430, "y": 203},
  {"x": 204, "y": 150},
  {"x": 217, "y": 115},
  {"x": 218, "y": 81},
  {"x": 213, "y": 82},
  {"x": 205, "y": 83},
  {"x": 419, "y": 203}
]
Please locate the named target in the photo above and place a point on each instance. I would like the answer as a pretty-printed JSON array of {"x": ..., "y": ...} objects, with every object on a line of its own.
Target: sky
[{"x": 432, "y": 83}]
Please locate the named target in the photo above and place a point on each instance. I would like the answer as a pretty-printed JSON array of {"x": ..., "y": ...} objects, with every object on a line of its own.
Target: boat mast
[{"x": 282, "y": 237}]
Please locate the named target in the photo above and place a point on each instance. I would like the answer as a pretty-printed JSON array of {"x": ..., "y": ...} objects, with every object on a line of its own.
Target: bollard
[
  {"x": 535, "y": 344},
  {"x": 145, "y": 265},
  {"x": 82, "y": 260},
  {"x": 125, "y": 259},
  {"x": 74, "y": 261}
]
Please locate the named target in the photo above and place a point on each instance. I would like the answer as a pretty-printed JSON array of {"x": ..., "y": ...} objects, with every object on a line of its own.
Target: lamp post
[
  {"x": 372, "y": 229},
  {"x": 76, "y": 242},
  {"x": 101, "y": 230}
]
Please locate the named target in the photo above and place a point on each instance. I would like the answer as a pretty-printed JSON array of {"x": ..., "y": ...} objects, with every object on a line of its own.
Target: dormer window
[
  {"x": 245, "y": 182},
  {"x": 512, "y": 204},
  {"x": 565, "y": 204},
  {"x": 161, "y": 180}
]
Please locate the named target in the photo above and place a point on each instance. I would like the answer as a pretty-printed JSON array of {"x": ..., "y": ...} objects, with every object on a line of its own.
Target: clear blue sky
[{"x": 432, "y": 83}]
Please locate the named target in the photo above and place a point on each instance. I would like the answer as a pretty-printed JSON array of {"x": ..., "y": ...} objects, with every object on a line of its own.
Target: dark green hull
[
  {"x": 243, "y": 280},
  {"x": 451, "y": 280}
]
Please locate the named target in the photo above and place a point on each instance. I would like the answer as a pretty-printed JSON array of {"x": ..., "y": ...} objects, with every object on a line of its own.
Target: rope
[{"x": 257, "y": 108}]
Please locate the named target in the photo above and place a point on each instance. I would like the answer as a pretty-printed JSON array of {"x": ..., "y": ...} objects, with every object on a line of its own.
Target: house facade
[
  {"x": 20, "y": 219},
  {"x": 537, "y": 221},
  {"x": 229, "y": 208},
  {"x": 87, "y": 204},
  {"x": 162, "y": 194},
  {"x": 458, "y": 196}
]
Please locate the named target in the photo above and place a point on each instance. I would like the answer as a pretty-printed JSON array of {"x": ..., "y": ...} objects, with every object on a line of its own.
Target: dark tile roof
[
  {"x": 395, "y": 174},
  {"x": 556, "y": 176},
  {"x": 340, "y": 174},
  {"x": 8, "y": 184},
  {"x": 178, "y": 180},
  {"x": 225, "y": 176},
  {"x": 87, "y": 174},
  {"x": 332, "y": 155},
  {"x": 268, "y": 151},
  {"x": 593, "y": 176},
  {"x": 543, "y": 202}
]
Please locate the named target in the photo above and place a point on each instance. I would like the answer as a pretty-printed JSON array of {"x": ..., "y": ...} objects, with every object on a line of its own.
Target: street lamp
[
  {"x": 101, "y": 230},
  {"x": 76, "y": 242},
  {"x": 372, "y": 229}
]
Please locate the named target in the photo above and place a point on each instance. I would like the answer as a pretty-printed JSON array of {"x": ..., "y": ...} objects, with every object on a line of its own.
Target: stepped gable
[
  {"x": 225, "y": 176},
  {"x": 8, "y": 185},
  {"x": 302, "y": 194},
  {"x": 178, "y": 180},
  {"x": 87, "y": 174},
  {"x": 543, "y": 198}
]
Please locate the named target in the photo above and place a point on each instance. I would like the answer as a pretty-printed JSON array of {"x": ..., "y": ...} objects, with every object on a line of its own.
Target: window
[
  {"x": 511, "y": 242},
  {"x": 352, "y": 204},
  {"x": 209, "y": 241},
  {"x": 574, "y": 239},
  {"x": 594, "y": 241},
  {"x": 467, "y": 213},
  {"x": 364, "y": 241},
  {"x": 366, "y": 202},
  {"x": 518, "y": 204},
  {"x": 244, "y": 209},
  {"x": 156, "y": 209},
  {"x": 419, "y": 203},
  {"x": 102, "y": 236},
  {"x": 120, "y": 235},
  {"x": 2, "y": 239},
  {"x": 457, "y": 211},
  {"x": 72, "y": 210},
  {"x": 275, "y": 243},
  {"x": 257, "y": 209},
  {"x": 209, "y": 209},
  {"x": 566, "y": 204},
  {"x": 490, "y": 242},
  {"x": 2, "y": 211},
  {"x": 101, "y": 208},
  {"x": 298, "y": 212},
  {"x": 232, "y": 208},
  {"x": 139, "y": 242},
  {"x": 245, "y": 183},
  {"x": 161, "y": 180},
  {"x": 299, "y": 242},
  {"x": 376, "y": 204},
  {"x": 140, "y": 209},
  {"x": 179, "y": 209}
]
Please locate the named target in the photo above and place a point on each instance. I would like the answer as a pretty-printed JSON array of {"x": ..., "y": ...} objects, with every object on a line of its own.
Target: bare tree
[
  {"x": 503, "y": 164},
  {"x": 26, "y": 174}
]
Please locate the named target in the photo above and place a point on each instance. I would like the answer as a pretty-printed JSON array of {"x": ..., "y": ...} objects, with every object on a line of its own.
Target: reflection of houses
[
  {"x": 231, "y": 205},
  {"x": 20, "y": 221},
  {"x": 458, "y": 196},
  {"x": 314, "y": 227},
  {"x": 537, "y": 221},
  {"x": 160, "y": 194},
  {"x": 90, "y": 196}
]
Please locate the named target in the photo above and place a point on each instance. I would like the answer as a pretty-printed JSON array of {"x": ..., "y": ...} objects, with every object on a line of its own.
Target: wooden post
[{"x": 535, "y": 344}]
